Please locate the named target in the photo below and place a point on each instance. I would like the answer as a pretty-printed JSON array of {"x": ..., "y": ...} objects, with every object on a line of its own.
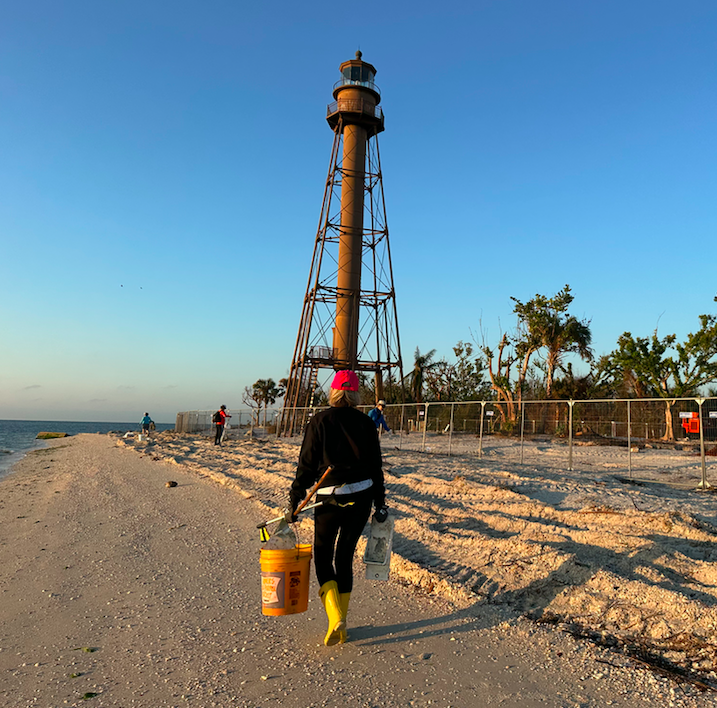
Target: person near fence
[
  {"x": 376, "y": 415},
  {"x": 345, "y": 439},
  {"x": 220, "y": 419}
]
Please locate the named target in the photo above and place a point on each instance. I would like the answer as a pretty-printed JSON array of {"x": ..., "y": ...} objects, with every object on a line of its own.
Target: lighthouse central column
[{"x": 350, "y": 245}]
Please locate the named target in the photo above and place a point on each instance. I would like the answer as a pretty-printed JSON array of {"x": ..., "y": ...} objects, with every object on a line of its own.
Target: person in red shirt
[{"x": 220, "y": 419}]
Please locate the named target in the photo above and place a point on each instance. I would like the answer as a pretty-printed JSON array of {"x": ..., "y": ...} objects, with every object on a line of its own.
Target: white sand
[
  {"x": 633, "y": 562},
  {"x": 162, "y": 584}
]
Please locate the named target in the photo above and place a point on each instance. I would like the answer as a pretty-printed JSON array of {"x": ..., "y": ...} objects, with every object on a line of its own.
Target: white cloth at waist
[{"x": 351, "y": 488}]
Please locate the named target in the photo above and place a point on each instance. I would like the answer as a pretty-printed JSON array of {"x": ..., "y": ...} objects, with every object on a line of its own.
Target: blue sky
[{"x": 163, "y": 166}]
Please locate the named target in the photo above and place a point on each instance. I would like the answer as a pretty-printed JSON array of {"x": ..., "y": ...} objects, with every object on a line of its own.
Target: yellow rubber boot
[
  {"x": 344, "y": 598},
  {"x": 329, "y": 594}
]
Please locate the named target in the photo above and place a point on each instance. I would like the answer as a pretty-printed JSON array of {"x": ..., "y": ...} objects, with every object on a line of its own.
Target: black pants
[
  {"x": 218, "y": 436},
  {"x": 337, "y": 530}
]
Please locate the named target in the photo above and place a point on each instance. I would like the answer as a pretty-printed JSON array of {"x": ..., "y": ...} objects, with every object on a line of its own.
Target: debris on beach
[{"x": 49, "y": 436}]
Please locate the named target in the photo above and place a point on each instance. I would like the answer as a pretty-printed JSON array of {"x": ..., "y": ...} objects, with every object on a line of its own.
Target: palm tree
[
  {"x": 267, "y": 392},
  {"x": 549, "y": 326},
  {"x": 569, "y": 335},
  {"x": 422, "y": 363}
]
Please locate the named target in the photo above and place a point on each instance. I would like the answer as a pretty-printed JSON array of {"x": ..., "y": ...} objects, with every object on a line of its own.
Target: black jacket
[{"x": 346, "y": 439}]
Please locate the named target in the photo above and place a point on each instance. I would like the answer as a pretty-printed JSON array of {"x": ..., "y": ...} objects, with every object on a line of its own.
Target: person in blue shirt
[
  {"x": 376, "y": 416},
  {"x": 145, "y": 423}
]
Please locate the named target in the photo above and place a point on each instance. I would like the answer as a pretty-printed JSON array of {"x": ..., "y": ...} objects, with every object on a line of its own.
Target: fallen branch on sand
[
  {"x": 635, "y": 649},
  {"x": 528, "y": 558},
  {"x": 600, "y": 510}
]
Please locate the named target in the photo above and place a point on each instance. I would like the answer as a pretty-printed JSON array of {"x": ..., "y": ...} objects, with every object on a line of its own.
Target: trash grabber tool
[
  {"x": 263, "y": 524},
  {"x": 313, "y": 489},
  {"x": 303, "y": 506}
]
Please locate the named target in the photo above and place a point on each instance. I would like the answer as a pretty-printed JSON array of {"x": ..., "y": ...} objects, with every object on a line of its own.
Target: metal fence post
[
  {"x": 425, "y": 426},
  {"x": 629, "y": 442},
  {"x": 570, "y": 435},
  {"x": 522, "y": 428},
  {"x": 480, "y": 439},
  {"x": 450, "y": 430},
  {"x": 704, "y": 484}
]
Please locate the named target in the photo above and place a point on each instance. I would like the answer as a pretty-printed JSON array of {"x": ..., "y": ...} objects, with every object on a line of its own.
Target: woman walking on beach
[{"x": 345, "y": 439}]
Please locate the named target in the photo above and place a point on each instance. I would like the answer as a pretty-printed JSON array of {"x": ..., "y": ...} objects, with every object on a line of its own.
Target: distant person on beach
[
  {"x": 220, "y": 419},
  {"x": 343, "y": 438},
  {"x": 145, "y": 423},
  {"x": 376, "y": 415}
]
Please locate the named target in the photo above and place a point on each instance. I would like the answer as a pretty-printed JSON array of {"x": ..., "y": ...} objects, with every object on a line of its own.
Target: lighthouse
[
  {"x": 356, "y": 113},
  {"x": 349, "y": 317}
]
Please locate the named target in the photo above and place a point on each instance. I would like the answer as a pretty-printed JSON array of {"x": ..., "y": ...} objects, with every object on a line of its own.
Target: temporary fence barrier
[
  {"x": 201, "y": 421},
  {"x": 671, "y": 440}
]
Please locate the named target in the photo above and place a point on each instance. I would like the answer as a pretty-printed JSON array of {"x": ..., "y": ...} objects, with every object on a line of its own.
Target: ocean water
[{"x": 18, "y": 437}]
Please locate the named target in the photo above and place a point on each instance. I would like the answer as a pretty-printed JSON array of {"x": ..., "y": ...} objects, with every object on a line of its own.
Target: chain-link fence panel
[
  {"x": 668, "y": 440},
  {"x": 407, "y": 424},
  {"x": 240, "y": 420},
  {"x": 193, "y": 421}
]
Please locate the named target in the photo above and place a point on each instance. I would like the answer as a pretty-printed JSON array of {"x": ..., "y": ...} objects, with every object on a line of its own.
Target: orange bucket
[{"x": 285, "y": 580}]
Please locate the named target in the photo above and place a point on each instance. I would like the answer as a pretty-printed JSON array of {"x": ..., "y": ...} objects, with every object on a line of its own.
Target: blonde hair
[{"x": 344, "y": 399}]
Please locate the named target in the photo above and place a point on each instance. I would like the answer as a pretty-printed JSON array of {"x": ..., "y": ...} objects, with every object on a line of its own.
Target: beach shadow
[
  {"x": 534, "y": 598},
  {"x": 551, "y": 523},
  {"x": 458, "y": 622},
  {"x": 549, "y": 497},
  {"x": 468, "y": 525},
  {"x": 418, "y": 553},
  {"x": 398, "y": 470}
]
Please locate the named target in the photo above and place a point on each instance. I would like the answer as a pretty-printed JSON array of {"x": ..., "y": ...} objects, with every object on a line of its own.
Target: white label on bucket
[{"x": 270, "y": 585}]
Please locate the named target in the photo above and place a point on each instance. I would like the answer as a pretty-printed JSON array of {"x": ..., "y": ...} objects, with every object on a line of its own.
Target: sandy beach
[{"x": 119, "y": 591}]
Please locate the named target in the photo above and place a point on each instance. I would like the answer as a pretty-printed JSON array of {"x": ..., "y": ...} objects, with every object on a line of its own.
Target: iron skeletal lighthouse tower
[{"x": 349, "y": 318}]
